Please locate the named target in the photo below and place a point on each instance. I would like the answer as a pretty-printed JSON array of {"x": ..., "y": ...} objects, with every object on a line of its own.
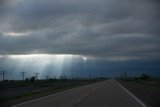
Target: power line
[{"x": 3, "y": 74}]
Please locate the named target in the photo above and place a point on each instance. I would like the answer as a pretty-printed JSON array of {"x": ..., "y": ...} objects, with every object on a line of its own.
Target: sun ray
[{"x": 54, "y": 65}]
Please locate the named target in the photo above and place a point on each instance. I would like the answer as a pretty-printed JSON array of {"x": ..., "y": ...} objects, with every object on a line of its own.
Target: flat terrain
[
  {"x": 102, "y": 94},
  {"x": 146, "y": 91},
  {"x": 15, "y": 92}
]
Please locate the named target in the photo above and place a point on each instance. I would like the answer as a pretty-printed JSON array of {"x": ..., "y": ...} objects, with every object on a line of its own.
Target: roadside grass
[
  {"x": 41, "y": 88},
  {"x": 152, "y": 84},
  {"x": 145, "y": 89}
]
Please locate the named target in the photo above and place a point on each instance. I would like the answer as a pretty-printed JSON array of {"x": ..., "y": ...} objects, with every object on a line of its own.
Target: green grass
[
  {"x": 152, "y": 84},
  {"x": 44, "y": 87}
]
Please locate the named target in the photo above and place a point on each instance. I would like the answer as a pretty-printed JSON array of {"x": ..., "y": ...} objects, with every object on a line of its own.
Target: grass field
[
  {"x": 152, "y": 84},
  {"x": 19, "y": 91},
  {"x": 147, "y": 90}
]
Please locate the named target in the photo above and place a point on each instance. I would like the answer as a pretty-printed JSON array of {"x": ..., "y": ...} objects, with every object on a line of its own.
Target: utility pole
[
  {"x": 125, "y": 75},
  {"x": 36, "y": 75},
  {"x": 23, "y": 74},
  {"x": 3, "y": 74}
]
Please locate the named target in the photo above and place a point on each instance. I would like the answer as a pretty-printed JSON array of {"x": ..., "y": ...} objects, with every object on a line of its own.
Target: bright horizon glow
[
  {"x": 15, "y": 34},
  {"x": 23, "y": 56},
  {"x": 45, "y": 64},
  {"x": 84, "y": 58}
]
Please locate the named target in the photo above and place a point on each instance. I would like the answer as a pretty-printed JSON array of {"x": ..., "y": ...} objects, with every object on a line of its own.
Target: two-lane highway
[{"x": 102, "y": 94}]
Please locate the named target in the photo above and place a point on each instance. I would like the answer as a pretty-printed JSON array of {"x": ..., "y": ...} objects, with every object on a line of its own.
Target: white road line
[
  {"x": 51, "y": 95},
  {"x": 45, "y": 97},
  {"x": 139, "y": 101}
]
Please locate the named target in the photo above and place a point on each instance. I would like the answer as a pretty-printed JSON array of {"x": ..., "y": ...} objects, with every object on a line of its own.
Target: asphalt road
[{"x": 102, "y": 94}]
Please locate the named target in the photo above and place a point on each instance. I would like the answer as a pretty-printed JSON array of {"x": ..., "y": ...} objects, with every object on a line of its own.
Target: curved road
[{"x": 102, "y": 94}]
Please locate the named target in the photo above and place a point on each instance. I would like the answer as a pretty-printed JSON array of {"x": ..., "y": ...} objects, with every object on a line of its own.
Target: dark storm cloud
[{"x": 102, "y": 28}]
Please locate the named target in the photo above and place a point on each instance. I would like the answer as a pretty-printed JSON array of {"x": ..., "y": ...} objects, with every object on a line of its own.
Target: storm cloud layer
[
  {"x": 80, "y": 37},
  {"x": 100, "y": 28}
]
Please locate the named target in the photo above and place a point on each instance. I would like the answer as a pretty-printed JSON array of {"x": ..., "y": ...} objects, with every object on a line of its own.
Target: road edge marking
[
  {"x": 44, "y": 97},
  {"x": 20, "y": 104},
  {"x": 138, "y": 100}
]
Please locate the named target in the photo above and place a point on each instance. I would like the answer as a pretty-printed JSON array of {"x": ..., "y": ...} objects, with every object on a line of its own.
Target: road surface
[{"x": 102, "y": 94}]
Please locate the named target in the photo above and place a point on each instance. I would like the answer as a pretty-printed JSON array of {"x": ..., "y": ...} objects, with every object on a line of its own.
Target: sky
[{"x": 79, "y": 37}]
